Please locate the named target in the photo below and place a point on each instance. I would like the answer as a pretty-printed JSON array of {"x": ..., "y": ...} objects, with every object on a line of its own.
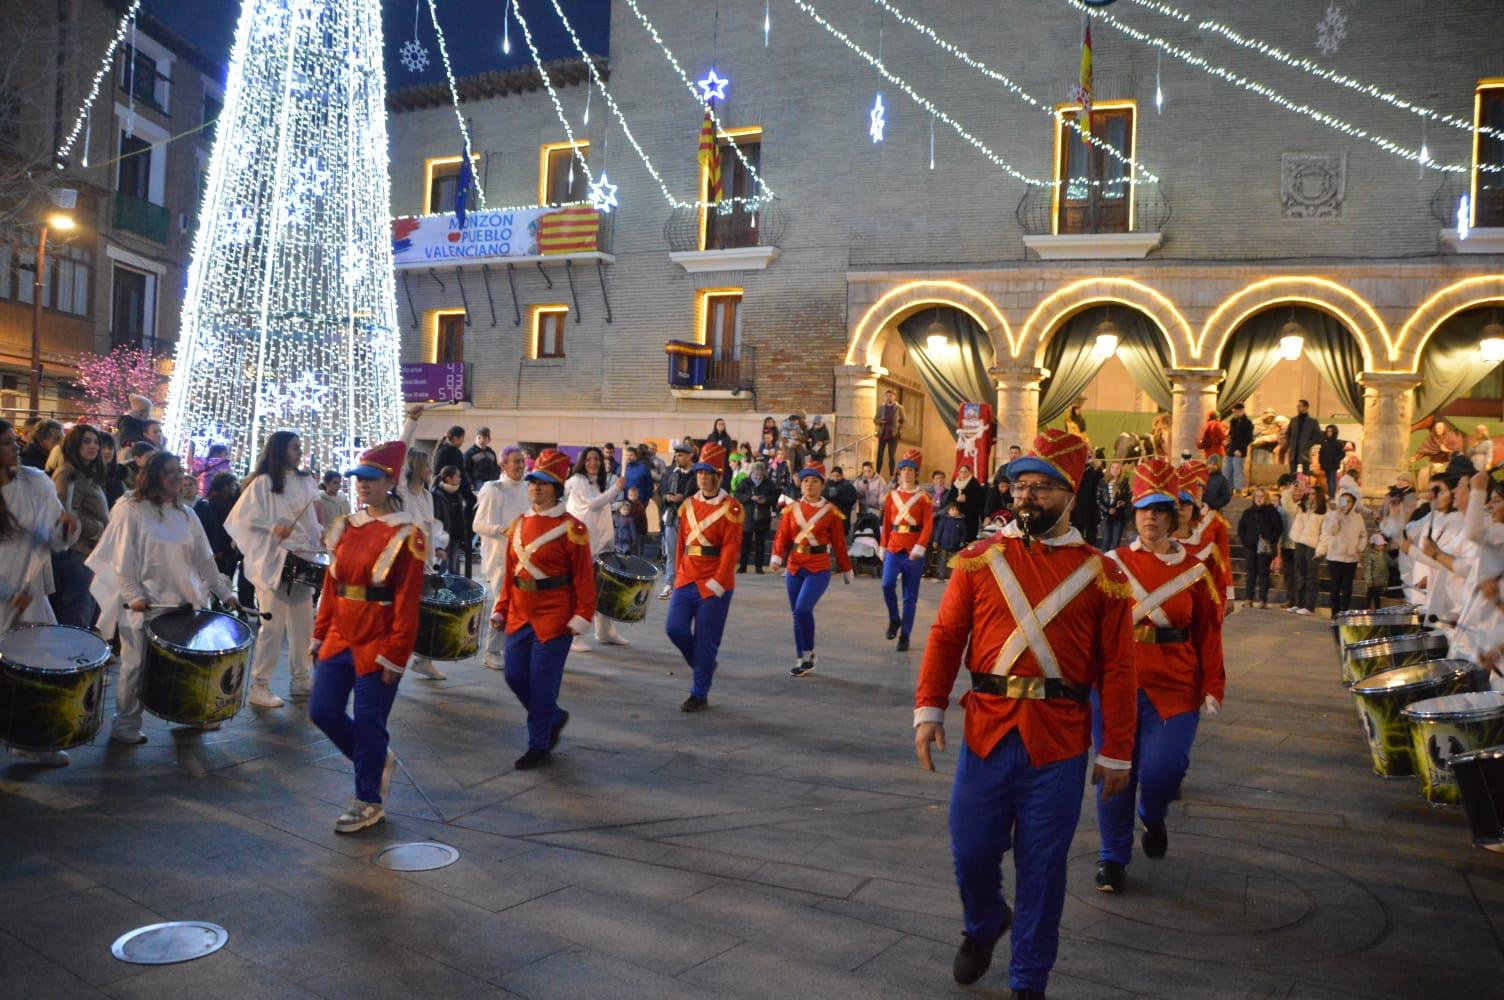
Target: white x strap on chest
[
  {"x": 1151, "y": 605},
  {"x": 902, "y": 508},
  {"x": 524, "y": 553},
  {"x": 696, "y": 526},
  {"x": 1032, "y": 619},
  {"x": 806, "y": 534}
]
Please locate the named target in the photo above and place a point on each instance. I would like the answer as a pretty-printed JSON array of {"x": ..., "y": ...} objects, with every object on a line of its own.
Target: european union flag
[{"x": 462, "y": 190}]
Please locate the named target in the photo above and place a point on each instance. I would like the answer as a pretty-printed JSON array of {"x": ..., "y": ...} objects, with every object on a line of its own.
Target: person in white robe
[
  {"x": 152, "y": 557},
  {"x": 275, "y": 517},
  {"x": 588, "y": 495},
  {"x": 500, "y": 502}
]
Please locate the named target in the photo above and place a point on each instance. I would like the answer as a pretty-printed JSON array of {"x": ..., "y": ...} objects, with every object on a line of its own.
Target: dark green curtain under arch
[
  {"x": 959, "y": 373},
  {"x": 1072, "y": 364},
  {"x": 1253, "y": 351},
  {"x": 1449, "y": 362}
]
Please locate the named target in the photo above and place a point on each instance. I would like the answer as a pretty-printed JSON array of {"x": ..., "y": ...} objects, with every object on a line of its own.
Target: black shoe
[
  {"x": 1111, "y": 876},
  {"x": 1156, "y": 841},
  {"x": 1028, "y": 995},
  {"x": 974, "y": 957},
  {"x": 533, "y": 758},
  {"x": 903, "y": 644},
  {"x": 802, "y": 668},
  {"x": 893, "y": 629},
  {"x": 759, "y": 572},
  {"x": 741, "y": 569},
  {"x": 553, "y": 734},
  {"x": 693, "y": 704}
]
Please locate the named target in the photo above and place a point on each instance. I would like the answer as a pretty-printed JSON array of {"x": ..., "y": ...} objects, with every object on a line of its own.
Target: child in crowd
[
  {"x": 950, "y": 538},
  {"x": 449, "y": 511},
  {"x": 1374, "y": 568},
  {"x": 625, "y": 517}
]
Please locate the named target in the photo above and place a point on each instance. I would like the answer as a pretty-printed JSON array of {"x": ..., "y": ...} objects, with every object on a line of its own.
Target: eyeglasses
[{"x": 1035, "y": 489}]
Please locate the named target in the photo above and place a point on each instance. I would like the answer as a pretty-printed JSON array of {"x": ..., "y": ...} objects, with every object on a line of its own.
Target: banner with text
[{"x": 429, "y": 240}]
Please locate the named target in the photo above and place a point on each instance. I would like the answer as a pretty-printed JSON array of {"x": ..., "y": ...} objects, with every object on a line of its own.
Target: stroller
[{"x": 863, "y": 545}]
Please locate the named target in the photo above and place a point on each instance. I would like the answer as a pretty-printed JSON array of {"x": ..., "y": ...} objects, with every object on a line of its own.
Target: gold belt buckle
[
  {"x": 1028, "y": 688},
  {"x": 1145, "y": 633}
]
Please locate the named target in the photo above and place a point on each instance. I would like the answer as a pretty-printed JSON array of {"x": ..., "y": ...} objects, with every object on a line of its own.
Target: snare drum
[
  {"x": 1442, "y": 728},
  {"x": 1366, "y": 658},
  {"x": 1358, "y": 626},
  {"x": 196, "y": 666},
  {"x": 623, "y": 585},
  {"x": 449, "y": 617},
  {"x": 51, "y": 686},
  {"x": 1382, "y": 698},
  {"x": 307, "y": 569},
  {"x": 1480, "y": 779}
]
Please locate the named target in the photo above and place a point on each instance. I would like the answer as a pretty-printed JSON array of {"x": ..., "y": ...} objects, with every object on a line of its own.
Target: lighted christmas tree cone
[{"x": 290, "y": 317}]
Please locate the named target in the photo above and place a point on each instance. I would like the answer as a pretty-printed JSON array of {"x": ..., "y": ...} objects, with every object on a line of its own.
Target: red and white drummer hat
[
  {"x": 552, "y": 466},
  {"x": 1154, "y": 481}
]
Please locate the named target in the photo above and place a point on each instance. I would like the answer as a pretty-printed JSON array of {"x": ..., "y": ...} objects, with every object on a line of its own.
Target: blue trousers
[
  {"x": 1233, "y": 468},
  {"x": 1000, "y": 802},
  {"x": 72, "y": 604},
  {"x": 805, "y": 590},
  {"x": 1161, "y": 756},
  {"x": 363, "y": 738},
  {"x": 695, "y": 625},
  {"x": 912, "y": 571},
  {"x": 670, "y": 543},
  {"x": 534, "y": 670}
]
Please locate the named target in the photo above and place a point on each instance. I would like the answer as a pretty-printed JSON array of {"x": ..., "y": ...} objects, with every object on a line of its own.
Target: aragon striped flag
[
  {"x": 1083, "y": 86},
  {"x": 569, "y": 230},
  {"x": 710, "y": 158}
]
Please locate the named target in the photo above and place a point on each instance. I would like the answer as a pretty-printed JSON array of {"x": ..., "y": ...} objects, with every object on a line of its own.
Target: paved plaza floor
[{"x": 783, "y": 844}]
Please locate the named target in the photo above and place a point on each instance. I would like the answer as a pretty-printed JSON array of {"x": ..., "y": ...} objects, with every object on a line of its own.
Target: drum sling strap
[
  {"x": 1151, "y": 605},
  {"x": 804, "y": 541},
  {"x": 523, "y": 554},
  {"x": 1029, "y": 634},
  {"x": 694, "y": 542}
]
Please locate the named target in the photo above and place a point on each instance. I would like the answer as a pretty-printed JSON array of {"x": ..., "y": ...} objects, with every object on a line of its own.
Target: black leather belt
[
  {"x": 811, "y": 550},
  {"x": 542, "y": 583},
  {"x": 1029, "y": 688},
  {"x": 702, "y": 550},
  {"x": 1160, "y": 636},
  {"x": 355, "y": 592}
]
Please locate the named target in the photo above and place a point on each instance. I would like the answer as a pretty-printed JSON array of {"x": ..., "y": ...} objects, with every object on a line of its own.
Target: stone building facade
[{"x": 1255, "y": 206}]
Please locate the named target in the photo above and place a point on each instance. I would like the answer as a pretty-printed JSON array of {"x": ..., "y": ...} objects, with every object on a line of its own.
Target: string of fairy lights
[
  {"x": 454, "y": 95},
  {"x": 127, "y": 22}
]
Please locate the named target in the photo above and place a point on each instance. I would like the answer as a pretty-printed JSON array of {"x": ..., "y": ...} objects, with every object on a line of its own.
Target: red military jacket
[
  {"x": 1177, "y": 592},
  {"x": 709, "y": 544},
  {"x": 546, "y": 546},
  {"x": 908, "y": 522},
  {"x": 1209, "y": 542},
  {"x": 805, "y": 525},
  {"x": 1089, "y": 639},
  {"x": 372, "y": 552}
]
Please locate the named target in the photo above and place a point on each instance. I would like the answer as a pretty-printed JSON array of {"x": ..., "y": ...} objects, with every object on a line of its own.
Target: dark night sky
[{"x": 472, "y": 30}]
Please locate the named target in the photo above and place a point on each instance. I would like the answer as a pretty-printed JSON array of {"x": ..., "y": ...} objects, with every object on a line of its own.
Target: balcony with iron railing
[
  {"x": 1116, "y": 219},
  {"x": 735, "y": 235},
  {"x": 139, "y": 216},
  {"x": 735, "y": 376}
]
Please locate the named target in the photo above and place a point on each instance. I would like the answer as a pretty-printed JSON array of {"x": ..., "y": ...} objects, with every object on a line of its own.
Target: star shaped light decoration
[
  {"x": 713, "y": 87},
  {"x": 877, "y": 119},
  {"x": 602, "y": 194}
]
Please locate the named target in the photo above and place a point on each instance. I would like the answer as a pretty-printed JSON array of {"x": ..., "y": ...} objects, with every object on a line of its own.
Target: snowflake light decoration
[
  {"x": 877, "y": 119},
  {"x": 210, "y": 433},
  {"x": 713, "y": 87},
  {"x": 1331, "y": 30},
  {"x": 237, "y": 227},
  {"x": 414, "y": 56},
  {"x": 308, "y": 183},
  {"x": 602, "y": 194},
  {"x": 305, "y": 395}
]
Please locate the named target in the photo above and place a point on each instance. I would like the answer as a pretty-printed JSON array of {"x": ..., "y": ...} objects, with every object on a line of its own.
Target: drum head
[
  {"x": 52, "y": 648},
  {"x": 626, "y": 567},
  {"x": 1420, "y": 675},
  {"x": 1458, "y": 707},
  {"x": 200, "y": 631},
  {"x": 446, "y": 588}
]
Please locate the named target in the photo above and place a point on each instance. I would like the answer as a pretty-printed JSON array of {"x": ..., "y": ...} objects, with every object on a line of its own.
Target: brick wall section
[{"x": 853, "y": 206}]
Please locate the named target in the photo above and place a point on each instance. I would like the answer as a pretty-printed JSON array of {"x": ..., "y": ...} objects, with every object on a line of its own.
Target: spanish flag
[
  {"x": 710, "y": 158},
  {"x": 569, "y": 230},
  {"x": 1083, "y": 87}
]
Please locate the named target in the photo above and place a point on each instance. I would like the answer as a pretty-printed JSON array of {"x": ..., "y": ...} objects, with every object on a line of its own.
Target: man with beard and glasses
[{"x": 1041, "y": 620}]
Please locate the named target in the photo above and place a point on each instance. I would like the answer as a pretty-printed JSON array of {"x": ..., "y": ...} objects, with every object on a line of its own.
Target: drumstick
[{"x": 184, "y": 606}]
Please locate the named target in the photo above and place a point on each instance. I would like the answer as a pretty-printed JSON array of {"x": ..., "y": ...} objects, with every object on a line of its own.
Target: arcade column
[
  {"x": 1017, "y": 405},
  {"x": 1388, "y": 408},
  {"x": 856, "y": 406},
  {"x": 1193, "y": 392}
]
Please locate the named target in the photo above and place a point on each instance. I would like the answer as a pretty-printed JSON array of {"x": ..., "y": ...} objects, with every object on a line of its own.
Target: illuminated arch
[
  {"x": 1486, "y": 289},
  {"x": 866, "y": 342},
  {"x": 1051, "y": 314},
  {"x": 1362, "y": 321}
]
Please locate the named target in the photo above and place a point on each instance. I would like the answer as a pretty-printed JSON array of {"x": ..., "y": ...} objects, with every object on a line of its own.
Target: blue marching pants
[
  {"x": 1000, "y": 802},
  {"x": 695, "y": 625},
  {"x": 805, "y": 590},
  {"x": 1161, "y": 757},
  {"x": 363, "y": 738},
  {"x": 912, "y": 571},
  {"x": 534, "y": 670}
]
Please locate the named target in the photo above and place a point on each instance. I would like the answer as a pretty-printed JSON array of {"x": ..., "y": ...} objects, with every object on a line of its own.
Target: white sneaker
[
  {"x": 1302, "y": 611},
  {"x": 387, "y": 770},
  {"x": 46, "y": 758},
  {"x": 611, "y": 637},
  {"x": 665, "y": 593},
  {"x": 495, "y": 666},
  {"x": 579, "y": 646},
  {"x": 262, "y": 697},
  {"x": 358, "y": 815},
  {"x": 423, "y": 667}
]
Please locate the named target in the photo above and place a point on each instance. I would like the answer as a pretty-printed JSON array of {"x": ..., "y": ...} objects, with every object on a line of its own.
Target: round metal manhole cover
[
  {"x": 166, "y": 944},
  {"x": 419, "y": 857}
]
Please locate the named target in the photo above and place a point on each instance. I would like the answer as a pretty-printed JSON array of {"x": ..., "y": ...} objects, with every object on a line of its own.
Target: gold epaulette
[
  {"x": 383, "y": 567},
  {"x": 578, "y": 533},
  {"x": 736, "y": 514},
  {"x": 1111, "y": 581},
  {"x": 417, "y": 544},
  {"x": 974, "y": 557}
]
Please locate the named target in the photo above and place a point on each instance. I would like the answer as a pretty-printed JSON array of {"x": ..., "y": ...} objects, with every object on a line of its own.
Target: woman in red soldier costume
[
  {"x": 367, "y": 624},
  {"x": 810, "y": 534},
  {"x": 1177, "y": 653},
  {"x": 1203, "y": 532}
]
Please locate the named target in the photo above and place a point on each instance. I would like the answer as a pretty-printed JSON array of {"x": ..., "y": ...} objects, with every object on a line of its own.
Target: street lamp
[{"x": 63, "y": 223}]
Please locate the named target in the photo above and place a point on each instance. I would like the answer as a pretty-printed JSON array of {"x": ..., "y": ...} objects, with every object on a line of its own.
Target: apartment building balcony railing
[
  {"x": 733, "y": 235},
  {"x": 139, "y": 216},
  {"x": 1117, "y": 219},
  {"x": 732, "y": 376}
]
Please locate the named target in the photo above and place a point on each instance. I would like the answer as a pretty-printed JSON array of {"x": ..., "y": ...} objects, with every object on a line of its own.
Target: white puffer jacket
[{"x": 1343, "y": 536}]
